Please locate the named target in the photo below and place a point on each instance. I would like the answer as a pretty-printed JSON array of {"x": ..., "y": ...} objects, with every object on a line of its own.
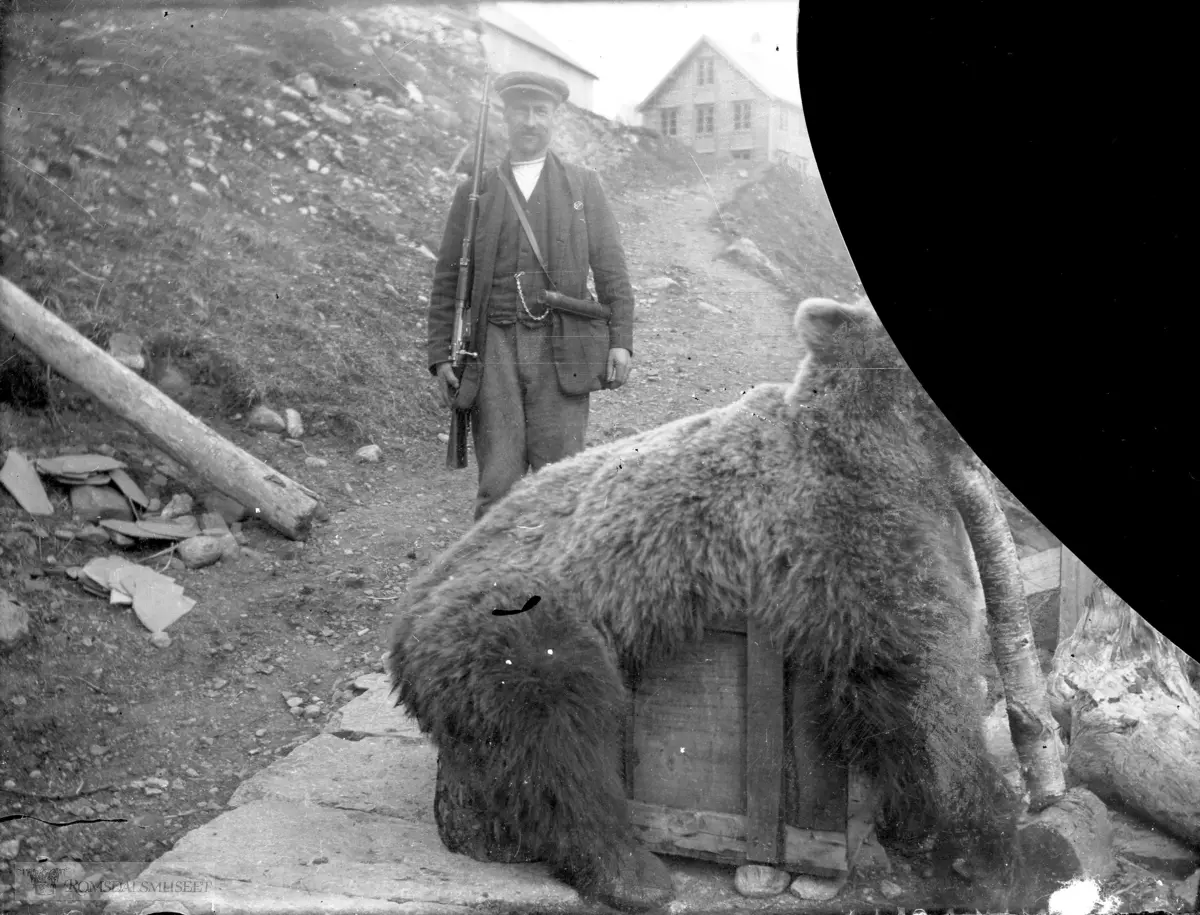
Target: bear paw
[{"x": 634, "y": 880}]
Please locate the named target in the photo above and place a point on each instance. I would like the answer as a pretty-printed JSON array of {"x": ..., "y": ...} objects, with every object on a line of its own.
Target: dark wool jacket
[{"x": 585, "y": 236}]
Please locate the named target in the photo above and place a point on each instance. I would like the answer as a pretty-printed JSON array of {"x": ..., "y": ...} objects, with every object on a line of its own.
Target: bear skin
[{"x": 820, "y": 510}]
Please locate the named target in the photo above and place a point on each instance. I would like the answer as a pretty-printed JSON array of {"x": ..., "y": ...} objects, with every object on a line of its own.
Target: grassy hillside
[{"x": 248, "y": 191}]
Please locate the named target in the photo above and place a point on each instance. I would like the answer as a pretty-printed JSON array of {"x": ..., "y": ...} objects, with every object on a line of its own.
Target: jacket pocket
[{"x": 581, "y": 353}]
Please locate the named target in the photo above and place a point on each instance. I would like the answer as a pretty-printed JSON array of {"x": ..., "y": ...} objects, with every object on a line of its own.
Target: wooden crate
[{"x": 720, "y": 762}]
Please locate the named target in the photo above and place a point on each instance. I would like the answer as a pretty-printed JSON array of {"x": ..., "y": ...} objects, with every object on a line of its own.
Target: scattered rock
[
  {"x": 891, "y": 890},
  {"x": 443, "y": 437},
  {"x": 198, "y": 552},
  {"x": 229, "y": 509},
  {"x": 14, "y": 624},
  {"x": 127, "y": 350},
  {"x": 96, "y": 536},
  {"x": 213, "y": 524},
  {"x": 660, "y": 283},
  {"x": 120, "y": 540},
  {"x": 747, "y": 253},
  {"x": 294, "y": 702},
  {"x": 172, "y": 382},
  {"x": 711, "y": 309},
  {"x": 369, "y": 454},
  {"x": 38, "y": 166},
  {"x": 414, "y": 93},
  {"x": 198, "y": 188},
  {"x": 306, "y": 84},
  {"x": 90, "y": 152},
  {"x": 817, "y": 889},
  {"x": 759, "y": 881},
  {"x": 194, "y": 162},
  {"x": 265, "y": 419},
  {"x": 181, "y": 504},
  {"x": 446, "y": 120},
  {"x": 400, "y": 114},
  {"x": 10, "y": 848},
  {"x": 1189, "y": 890},
  {"x": 311, "y": 461},
  {"x": 92, "y": 503},
  {"x": 154, "y": 144},
  {"x": 160, "y": 640},
  {"x": 334, "y": 115},
  {"x": 314, "y": 165}
]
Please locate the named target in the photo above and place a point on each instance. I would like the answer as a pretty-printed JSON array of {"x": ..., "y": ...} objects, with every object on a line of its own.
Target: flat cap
[{"x": 528, "y": 81}]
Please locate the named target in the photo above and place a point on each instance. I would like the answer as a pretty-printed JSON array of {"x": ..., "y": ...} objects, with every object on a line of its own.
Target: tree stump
[
  {"x": 1134, "y": 718},
  {"x": 1072, "y": 838}
]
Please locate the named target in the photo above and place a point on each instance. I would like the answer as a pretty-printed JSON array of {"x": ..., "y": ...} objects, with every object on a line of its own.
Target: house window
[
  {"x": 741, "y": 115},
  {"x": 740, "y": 154},
  {"x": 704, "y": 120},
  {"x": 704, "y": 72},
  {"x": 669, "y": 120},
  {"x": 783, "y": 119}
]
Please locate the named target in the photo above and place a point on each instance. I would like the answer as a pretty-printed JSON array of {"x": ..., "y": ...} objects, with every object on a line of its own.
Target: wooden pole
[{"x": 284, "y": 504}]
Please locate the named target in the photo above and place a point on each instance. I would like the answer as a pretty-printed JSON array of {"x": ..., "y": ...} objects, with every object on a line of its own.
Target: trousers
[{"x": 522, "y": 420}]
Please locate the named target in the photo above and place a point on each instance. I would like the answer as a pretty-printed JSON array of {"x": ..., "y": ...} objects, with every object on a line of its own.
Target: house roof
[
  {"x": 770, "y": 71},
  {"x": 506, "y": 22}
]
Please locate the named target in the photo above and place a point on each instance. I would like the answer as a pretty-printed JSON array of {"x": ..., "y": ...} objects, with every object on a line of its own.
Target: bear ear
[{"x": 818, "y": 321}]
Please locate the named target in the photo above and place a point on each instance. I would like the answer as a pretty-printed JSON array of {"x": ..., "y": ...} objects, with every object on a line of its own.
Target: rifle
[
  {"x": 460, "y": 351},
  {"x": 581, "y": 308}
]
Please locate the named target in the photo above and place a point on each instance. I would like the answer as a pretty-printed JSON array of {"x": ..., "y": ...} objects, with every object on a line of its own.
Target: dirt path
[
  {"x": 688, "y": 357},
  {"x": 158, "y": 740}
]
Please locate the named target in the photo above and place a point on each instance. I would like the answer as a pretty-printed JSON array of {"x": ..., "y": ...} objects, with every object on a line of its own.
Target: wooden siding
[{"x": 763, "y": 139}]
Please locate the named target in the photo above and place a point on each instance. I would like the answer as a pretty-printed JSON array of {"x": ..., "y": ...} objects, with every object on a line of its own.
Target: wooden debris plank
[
  {"x": 20, "y": 478},
  {"x": 281, "y": 502}
]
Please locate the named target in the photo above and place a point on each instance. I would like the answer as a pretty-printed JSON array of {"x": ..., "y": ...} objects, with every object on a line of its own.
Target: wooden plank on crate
[
  {"x": 861, "y": 801},
  {"x": 764, "y": 747},
  {"x": 817, "y": 799},
  {"x": 819, "y": 852},
  {"x": 689, "y": 728},
  {"x": 721, "y": 837},
  {"x": 1042, "y": 571},
  {"x": 1077, "y": 584},
  {"x": 1039, "y": 572},
  {"x": 705, "y": 834}
]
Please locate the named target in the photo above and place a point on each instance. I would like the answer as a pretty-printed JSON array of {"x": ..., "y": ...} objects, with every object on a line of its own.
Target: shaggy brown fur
[{"x": 818, "y": 509}]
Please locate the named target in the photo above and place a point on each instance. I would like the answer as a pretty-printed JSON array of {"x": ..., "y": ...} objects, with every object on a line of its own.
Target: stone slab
[
  {"x": 390, "y": 777},
  {"x": 326, "y": 853},
  {"x": 233, "y": 897},
  {"x": 373, "y": 714}
]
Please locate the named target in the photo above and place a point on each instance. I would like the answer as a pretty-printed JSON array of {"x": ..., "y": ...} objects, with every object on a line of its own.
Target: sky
[{"x": 632, "y": 45}]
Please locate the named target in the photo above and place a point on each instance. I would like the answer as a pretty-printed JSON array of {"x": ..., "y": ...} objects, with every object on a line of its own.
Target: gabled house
[
  {"x": 511, "y": 44},
  {"x": 726, "y": 105}
]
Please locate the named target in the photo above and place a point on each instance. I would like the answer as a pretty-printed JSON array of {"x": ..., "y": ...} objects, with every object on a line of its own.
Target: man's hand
[
  {"x": 619, "y": 363},
  {"x": 447, "y": 381}
]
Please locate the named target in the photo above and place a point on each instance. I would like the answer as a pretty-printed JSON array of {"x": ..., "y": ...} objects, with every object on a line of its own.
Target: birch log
[
  {"x": 1034, "y": 730},
  {"x": 284, "y": 504}
]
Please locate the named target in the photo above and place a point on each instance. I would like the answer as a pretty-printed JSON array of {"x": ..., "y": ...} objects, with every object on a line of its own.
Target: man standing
[{"x": 539, "y": 366}]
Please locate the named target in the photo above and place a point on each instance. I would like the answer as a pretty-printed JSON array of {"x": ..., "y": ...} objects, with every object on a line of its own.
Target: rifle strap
[{"x": 520, "y": 208}]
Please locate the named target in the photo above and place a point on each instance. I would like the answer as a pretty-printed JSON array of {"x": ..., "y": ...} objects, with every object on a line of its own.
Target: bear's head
[{"x": 850, "y": 367}]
